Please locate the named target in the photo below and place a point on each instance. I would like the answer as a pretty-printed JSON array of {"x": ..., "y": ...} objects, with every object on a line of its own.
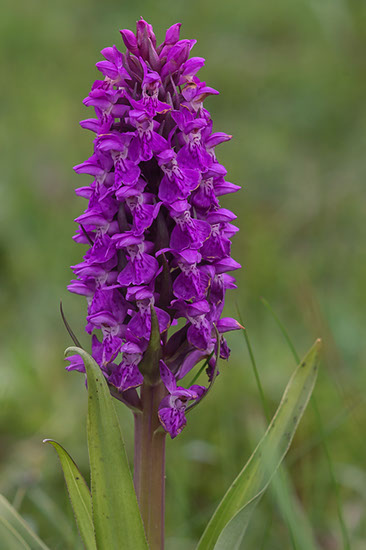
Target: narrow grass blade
[
  {"x": 255, "y": 370},
  {"x": 253, "y": 480},
  {"x": 79, "y": 494},
  {"x": 116, "y": 515},
  {"x": 322, "y": 434},
  {"x": 14, "y": 531},
  {"x": 299, "y": 529},
  {"x": 10, "y": 538},
  {"x": 292, "y": 511},
  {"x": 55, "y": 517}
]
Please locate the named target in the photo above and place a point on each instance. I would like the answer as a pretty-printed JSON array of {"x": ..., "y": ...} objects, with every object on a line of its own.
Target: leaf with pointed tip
[
  {"x": 15, "y": 533},
  {"x": 227, "y": 526},
  {"x": 116, "y": 515},
  {"x": 79, "y": 494},
  {"x": 149, "y": 365}
]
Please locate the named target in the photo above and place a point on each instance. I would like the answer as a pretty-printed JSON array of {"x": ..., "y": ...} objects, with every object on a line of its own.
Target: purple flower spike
[{"x": 159, "y": 243}]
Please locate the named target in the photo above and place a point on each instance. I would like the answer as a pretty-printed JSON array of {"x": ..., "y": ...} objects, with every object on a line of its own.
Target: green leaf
[
  {"x": 300, "y": 531},
  {"x": 233, "y": 533},
  {"x": 14, "y": 531},
  {"x": 230, "y": 520},
  {"x": 79, "y": 494},
  {"x": 116, "y": 516}
]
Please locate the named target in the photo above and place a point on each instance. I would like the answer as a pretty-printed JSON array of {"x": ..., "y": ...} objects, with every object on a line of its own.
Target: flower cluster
[{"x": 156, "y": 233}]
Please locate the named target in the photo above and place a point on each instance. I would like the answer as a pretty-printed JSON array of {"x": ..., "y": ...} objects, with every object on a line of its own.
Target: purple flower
[
  {"x": 188, "y": 231},
  {"x": 159, "y": 243},
  {"x": 194, "y": 279},
  {"x": 141, "y": 267},
  {"x": 126, "y": 375},
  {"x": 172, "y": 407},
  {"x": 178, "y": 182}
]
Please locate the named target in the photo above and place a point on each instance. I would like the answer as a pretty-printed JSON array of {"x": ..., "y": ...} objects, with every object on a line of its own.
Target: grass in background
[
  {"x": 321, "y": 431},
  {"x": 299, "y": 530}
]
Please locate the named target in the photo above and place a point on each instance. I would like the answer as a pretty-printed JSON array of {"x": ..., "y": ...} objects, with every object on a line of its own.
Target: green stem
[{"x": 149, "y": 472}]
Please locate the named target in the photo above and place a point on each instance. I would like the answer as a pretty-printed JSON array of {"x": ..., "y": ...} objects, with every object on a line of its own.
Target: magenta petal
[
  {"x": 144, "y": 269},
  {"x": 185, "y": 394},
  {"x": 173, "y": 420},
  {"x": 216, "y": 247},
  {"x": 226, "y": 324},
  {"x": 183, "y": 288},
  {"x": 225, "y": 188},
  {"x": 193, "y": 284},
  {"x": 172, "y": 34},
  {"x": 76, "y": 363},
  {"x": 199, "y": 333},
  {"x": 91, "y": 218},
  {"x": 189, "y": 362},
  {"x": 193, "y": 65},
  {"x": 102, "y": 318},
  {"x": 169, "y": 190},
  {"x": 198, "y": 390},
  {"x": 128, "y": 174},
  {"x": 197, "y": 308},
  {"x": 221, "y": 215},
  {"x": 126, "y": 276},
  {"x": 167, "y": 377},
  {"x": 163, "y": 319},
  {"x": 111, "y": 348},
  {"x": 140, "y": 326},
  {"x": 130, "y": 41},
  {"x": 82, "y": 288},
  {"x": 227, "y": 264},
  {"x": 90, "y": 124},
  {"x": 126, "y": 376}
]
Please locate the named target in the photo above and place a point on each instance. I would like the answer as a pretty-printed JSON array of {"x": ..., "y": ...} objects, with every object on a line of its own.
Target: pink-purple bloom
[{"x": 156, "y": 233}]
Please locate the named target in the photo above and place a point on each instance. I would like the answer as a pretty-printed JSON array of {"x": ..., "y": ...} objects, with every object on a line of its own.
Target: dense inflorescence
[{"x": 156, "y": 232}]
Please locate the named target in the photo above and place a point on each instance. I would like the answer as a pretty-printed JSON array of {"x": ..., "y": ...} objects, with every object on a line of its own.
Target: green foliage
[
  {"x": 15, "y": 534},
  {"x": 300, "y": 530},
  {"x": 79, "y": 494},
  {"x": 110, "y": 513},
  {"x": 116, "y": 515},
  {"x": 227, "y": 527}
]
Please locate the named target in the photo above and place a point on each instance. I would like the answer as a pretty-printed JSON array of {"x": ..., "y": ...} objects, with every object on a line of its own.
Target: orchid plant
[{"x": 155, "y": 275}]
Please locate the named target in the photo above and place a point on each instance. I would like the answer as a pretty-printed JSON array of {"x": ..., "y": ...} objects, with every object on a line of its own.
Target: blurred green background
[{"x": 292, "y": 80}]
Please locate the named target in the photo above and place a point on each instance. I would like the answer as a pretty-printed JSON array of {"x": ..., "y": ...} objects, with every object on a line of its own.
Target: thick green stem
[{"x": 149, "y": 471}]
